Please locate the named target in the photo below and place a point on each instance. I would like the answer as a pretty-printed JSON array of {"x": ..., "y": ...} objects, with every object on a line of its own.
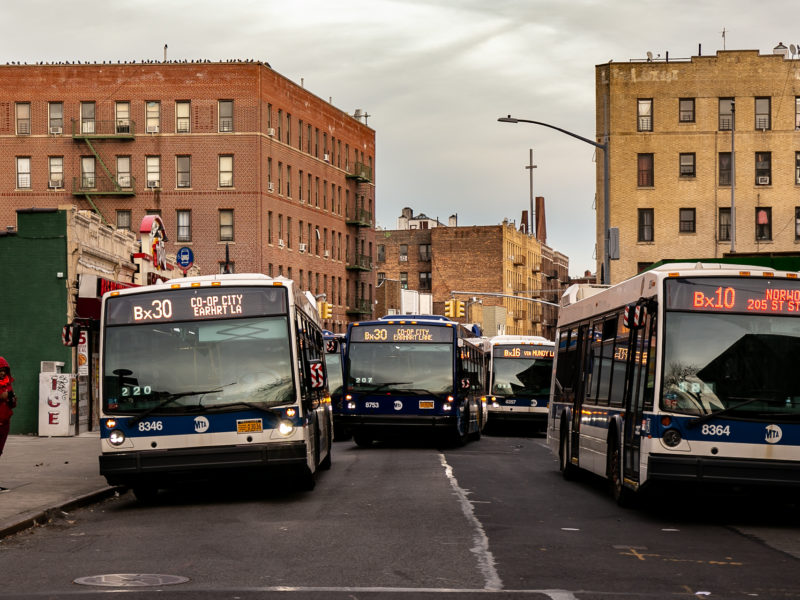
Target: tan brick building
[
  {"x": 241, "y": 163},
  {"x": 671, "y": 132},
  {"x": 487, "y": 260}
]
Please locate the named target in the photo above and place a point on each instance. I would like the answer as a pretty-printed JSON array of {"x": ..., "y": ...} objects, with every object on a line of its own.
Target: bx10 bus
[
  {"x": 520, "y": 370},
  {"x": 411, "y": 377},
  {"x": 684, "y": 373},
  {"x": 212, "y": 375}
]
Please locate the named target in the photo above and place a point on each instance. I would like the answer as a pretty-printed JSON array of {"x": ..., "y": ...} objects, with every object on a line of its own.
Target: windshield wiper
[
  {"x": 382, "y": 386},
  {"x": 252, "y": 405},
  {"x": 712, "y": 415},
  {"x": 421, "y": 392},
  {"x": 170, "y": 397}
]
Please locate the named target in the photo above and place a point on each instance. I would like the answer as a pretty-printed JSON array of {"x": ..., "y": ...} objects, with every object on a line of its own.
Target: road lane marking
[{"x": 480, "y": 547}]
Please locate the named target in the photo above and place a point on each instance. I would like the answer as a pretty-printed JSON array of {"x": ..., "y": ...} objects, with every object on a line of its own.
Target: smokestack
[{"x": 524, "y": 227}]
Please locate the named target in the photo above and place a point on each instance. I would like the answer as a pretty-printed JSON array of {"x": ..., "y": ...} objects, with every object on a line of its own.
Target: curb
[{"x": 42, "y": 517}]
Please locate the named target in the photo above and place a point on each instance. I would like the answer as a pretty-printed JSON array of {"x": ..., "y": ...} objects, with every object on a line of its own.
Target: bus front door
[
  {"x": 583, "y": 381},
  {"x": 636, "y": 390}
]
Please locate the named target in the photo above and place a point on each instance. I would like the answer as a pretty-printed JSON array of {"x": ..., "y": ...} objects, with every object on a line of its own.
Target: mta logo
[
  {"x": 200, "y": 424},
  {"x": 774, "y": 434}
]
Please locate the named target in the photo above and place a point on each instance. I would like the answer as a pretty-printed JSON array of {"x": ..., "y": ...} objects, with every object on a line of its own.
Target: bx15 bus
[
  {"x": 684, "y": 373},
  {"x": 212, "y": 375},
  {"x": 334, "y": 362},
  {"x": 520, "y": 370},
  {"x": 411, "y": 377}
]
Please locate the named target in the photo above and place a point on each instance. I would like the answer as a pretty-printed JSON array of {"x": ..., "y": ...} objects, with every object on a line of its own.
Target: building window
[
  {"x": 797, "y": 223},
  {"x": 23, "y": 118},
  {"x": 424, "y": 281},
  {"x": 226, "y": 171},
  {"x": 726, "y": 114},
  {"x": 226, "y": 115},
  {"x": 645, "y": 225},
  {"x": 425, "y": 252},
  {"x": 687, "y": 220},
  {"x": 763, "y": 168},
  {"x": 228, "y": 267},
  {"x": 23, "y": 172},
  {"x": 645, "y": 170},
  {"x": 87, "y": 117},
  {"x": 184, "y": 166},
  {"x": 763, "y": 118},
  {"x": 152, "y": 116},
  {"x": 87, "y": 172},
  {"x": 183, "y": 111},
  {"x": 381, "y": 277},
  {"x": 404, "y": 280},
  {"x": 184, "y": 225},
  {"x": 153, "y": 167},
  {"x": 381, "y": 253},
  {"x": 763, "y": 223},
  {"x": 56, "y": 117},
  {"x": 725, "y": 224},
  {"x": 124, "y": 219},
  {"x": 56, "y": 172},
  {"x": 122, "y": 112},
  {"x": 797, "y": 167},
  {"x": 686, "y": 110},
  {"x": 724, "y": 168},
  {"x": 687, "y": 164},
  {"x": 644, "y": 114},
  {"x": 124, "y": 171},
  {"x": 797, "y": 112},
  {"x": 226, "y": 225},
  {"x": 403, "y": 252}
]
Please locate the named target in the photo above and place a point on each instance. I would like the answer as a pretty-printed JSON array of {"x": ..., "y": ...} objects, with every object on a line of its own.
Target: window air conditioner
[
  {"x": 763, "y": 180},
  {"x": 303, "y": 247},
  {"x": 327, "y": 253},
  {"x": 153, "y": 183},
  {"x": 54, "y": 183},
  {"x": 270, "y": 187},
  {"x": 124, "y": 180},
  {"x": 280, "y": 244},
  {"x": 326, "y": 157},
  {"x": 404, "y": 258},
  {"x": 55, "y": 130},
  {"x": 271, "y": 131},
  {"x": 152, "y": 129}
]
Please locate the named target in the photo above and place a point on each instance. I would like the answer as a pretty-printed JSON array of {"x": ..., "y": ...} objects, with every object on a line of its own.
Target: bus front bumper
[
  {"x": 728, "y": 471},
  {"x": 126, "y": 468}
]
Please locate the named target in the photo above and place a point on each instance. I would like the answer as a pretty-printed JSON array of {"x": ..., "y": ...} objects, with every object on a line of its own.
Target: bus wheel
[
  {"x": 362, "y": 440},
  {"x": 624, "y": 496},
  {"x": 305, "y": 480},
  {"x": 145, "y": 493},
  {"x": 326, "y": 462},
  {"x": 564, "y": 462},
  {"x": 461, "y": 433}
]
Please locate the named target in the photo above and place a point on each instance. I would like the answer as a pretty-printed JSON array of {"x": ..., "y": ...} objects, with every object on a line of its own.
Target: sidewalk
[{"x": 48, "y": 473}]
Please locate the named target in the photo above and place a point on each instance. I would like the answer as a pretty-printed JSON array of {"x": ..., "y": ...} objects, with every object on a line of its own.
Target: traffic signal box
[
  {"x": 460, "y": 309},
  {"x": 325, "y": 310},
  {"x": 454, "y": 309}
]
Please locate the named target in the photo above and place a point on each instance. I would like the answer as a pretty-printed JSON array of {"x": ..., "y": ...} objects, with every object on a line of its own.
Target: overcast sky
[{"x": 434, "y": 76}]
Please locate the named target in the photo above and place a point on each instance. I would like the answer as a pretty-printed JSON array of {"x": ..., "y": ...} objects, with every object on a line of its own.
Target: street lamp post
[{"x": 606, "y": 210}]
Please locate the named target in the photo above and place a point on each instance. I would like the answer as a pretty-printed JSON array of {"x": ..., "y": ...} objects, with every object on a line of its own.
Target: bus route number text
[
  {"x": 724, "y": 298},
  {"x": 159, "y": 309}
]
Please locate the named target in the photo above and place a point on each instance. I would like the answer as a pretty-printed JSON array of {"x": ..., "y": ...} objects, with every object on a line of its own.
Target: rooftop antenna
[
  {"x": 165, "y": 53},
  {"x": 723, "y": 38},
  {"x": 649, "y": 56},
  {"x": 792, "y": 49}
]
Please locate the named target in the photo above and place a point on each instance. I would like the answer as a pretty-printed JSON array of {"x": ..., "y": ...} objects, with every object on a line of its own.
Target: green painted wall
[{"x": 33, "y": 306}]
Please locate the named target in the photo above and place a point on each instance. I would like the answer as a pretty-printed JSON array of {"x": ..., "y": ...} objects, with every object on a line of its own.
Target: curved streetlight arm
[{"x": 510, "y": 119}]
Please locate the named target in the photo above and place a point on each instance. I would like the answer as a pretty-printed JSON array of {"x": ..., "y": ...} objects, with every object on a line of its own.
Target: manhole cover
[{"x": 131, "y": 580}]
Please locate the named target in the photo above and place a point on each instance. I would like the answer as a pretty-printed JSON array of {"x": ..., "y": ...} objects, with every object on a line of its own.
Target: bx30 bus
[
  {"x": 520, "y": 370},
  {"x": 212, "y": 375},
  {"x": 413, "y": 376},
  {"x": 684, "y": 373}
]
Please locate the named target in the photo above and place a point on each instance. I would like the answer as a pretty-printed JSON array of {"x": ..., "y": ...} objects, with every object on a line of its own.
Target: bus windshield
[
  {"x": 424, "y": 367},
  {"x": 181, "y": 367},
  {"x": 741, "y": 364},
  {"x": 521, "y": 377},
  {"x": 333, "y": 364}
]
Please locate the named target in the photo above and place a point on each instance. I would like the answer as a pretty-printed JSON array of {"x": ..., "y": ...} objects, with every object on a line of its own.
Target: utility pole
[{"x": 530, "y": 168}]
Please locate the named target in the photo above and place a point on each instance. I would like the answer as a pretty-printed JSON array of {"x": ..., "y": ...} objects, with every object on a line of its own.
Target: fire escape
[
  {"x": 359, "y": 221},
  {"x": 92, "y": 184}
]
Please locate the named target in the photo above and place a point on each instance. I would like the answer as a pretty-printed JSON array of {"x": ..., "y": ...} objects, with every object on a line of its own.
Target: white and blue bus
[
  {"x": 212, "y": 375},
  {"x": 520, "y": 370},
  {"x": 406, "y": 376},
  {"x": 684, "y": 373}
]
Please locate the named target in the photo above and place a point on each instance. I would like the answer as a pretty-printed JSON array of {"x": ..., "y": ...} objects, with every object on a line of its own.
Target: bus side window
[{"x": 566, "y": 362}]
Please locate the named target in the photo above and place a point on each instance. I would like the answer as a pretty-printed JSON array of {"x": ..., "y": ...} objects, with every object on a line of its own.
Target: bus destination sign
[
  {"x": 525, "y": 351},
  {"x": 193, "y": 304},
  {"x": 401, "y": 333},
  {"x": 742, "y": 295}
]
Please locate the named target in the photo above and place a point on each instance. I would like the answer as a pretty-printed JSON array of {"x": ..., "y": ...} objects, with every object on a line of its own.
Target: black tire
[
  {"x": 326, "y": 462},
  {"x": 624, "y": 496},
  {"x": 145, "y": 493},
  {"x": 461, "y": 433},
  {"x": 564, "y": 460},
  {"x": 362, "y": 440},
  {"x": 305, "y": 480}
]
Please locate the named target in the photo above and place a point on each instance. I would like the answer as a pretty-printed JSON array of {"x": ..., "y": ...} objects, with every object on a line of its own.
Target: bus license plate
[
  {"x": 426, "y": 403},
  {"x": 249, "y": 426}
]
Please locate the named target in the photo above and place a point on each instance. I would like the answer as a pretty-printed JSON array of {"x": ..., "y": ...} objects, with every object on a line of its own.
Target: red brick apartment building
[{"x": 242, "y": 164}]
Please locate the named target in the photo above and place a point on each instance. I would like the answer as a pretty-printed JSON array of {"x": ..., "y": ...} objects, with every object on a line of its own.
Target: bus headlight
[
  {"x": 285, "y": 428},
  {"x": 671, "y": 437},
  {"x": 116, "y": 438}
]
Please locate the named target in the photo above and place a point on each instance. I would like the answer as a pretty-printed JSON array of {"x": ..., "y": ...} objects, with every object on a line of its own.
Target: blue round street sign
[{"x": 185, "y": 258}]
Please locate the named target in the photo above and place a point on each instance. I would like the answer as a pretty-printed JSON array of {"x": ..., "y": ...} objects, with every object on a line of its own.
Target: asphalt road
[{"x": 412, "y": 520}]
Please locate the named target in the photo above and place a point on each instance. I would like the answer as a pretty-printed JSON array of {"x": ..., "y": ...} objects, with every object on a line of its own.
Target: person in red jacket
[{"x": 7, "y": 403}]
